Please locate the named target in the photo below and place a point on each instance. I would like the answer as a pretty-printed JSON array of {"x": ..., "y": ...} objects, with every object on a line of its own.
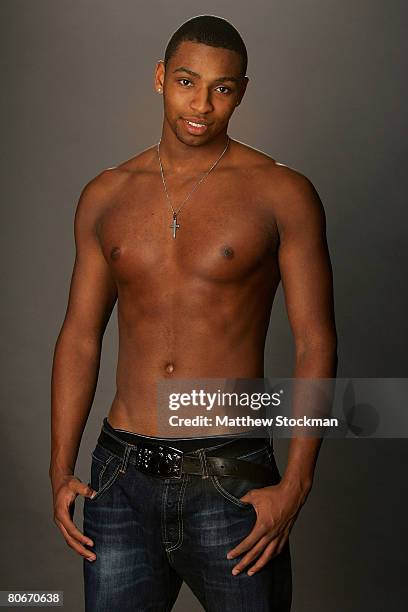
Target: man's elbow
[
  {"x": 321, "y": 349},
  {"x": 89, "y": 340}
]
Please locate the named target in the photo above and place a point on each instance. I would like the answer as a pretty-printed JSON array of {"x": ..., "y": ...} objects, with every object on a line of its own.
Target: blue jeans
[{"x": 150, "y": 534}]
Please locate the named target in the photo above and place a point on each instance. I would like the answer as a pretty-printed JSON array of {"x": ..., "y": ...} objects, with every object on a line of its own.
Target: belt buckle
[
  {"x": 170, "y": 464},
  {"x": 158, "y": 460}
]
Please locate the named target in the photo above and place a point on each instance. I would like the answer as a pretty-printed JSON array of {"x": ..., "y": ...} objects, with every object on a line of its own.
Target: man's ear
[{"x": 159, "y": 76}]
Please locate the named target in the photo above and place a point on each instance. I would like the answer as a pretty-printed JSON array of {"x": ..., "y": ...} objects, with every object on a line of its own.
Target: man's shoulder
[
  {"x": 277, "y": 170},
  {"x": 287, "y": 193},
  {"x": 272, "y": 170},
  {"x": 110, "y": 181},
  {"x": 139, "y": 163},
  {"x": 292, "y": 196}
]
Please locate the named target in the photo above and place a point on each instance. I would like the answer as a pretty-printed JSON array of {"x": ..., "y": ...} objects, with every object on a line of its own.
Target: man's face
[{"x": 201, "y": 86}]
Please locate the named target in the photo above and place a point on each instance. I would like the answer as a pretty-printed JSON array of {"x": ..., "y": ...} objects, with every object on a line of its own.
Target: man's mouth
[
  {"x": 195, "y": 124},
  {"x": 195, "y": 127}
]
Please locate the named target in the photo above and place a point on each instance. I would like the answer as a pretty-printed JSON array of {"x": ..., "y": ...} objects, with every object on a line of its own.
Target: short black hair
[{"x": 209, "y": 30}]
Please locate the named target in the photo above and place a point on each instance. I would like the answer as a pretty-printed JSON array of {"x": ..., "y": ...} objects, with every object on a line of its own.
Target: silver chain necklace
[{"x": 175, "y": 226}]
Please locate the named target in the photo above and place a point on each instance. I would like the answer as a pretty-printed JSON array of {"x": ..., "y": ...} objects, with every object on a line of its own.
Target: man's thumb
[{"x": 89, "y": 491}]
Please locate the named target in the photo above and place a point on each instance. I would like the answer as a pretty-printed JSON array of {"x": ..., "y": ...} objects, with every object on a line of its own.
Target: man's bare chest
[{"x": 224, "y": 232}]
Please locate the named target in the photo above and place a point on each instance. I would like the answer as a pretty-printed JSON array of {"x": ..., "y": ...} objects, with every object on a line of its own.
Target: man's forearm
[
  {"x": 316, "y": 363},
  {"x": 74, "y": 378}
]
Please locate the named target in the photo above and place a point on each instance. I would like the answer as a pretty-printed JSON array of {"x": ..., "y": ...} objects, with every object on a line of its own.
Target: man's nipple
[{"x": 227, "y": 252}]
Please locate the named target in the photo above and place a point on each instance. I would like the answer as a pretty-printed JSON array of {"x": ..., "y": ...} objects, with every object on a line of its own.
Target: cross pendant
[{"x": 175, "y": 226}]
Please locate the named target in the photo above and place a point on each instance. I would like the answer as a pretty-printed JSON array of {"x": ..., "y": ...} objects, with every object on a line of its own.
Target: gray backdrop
[{"x": 327, "y": 97}]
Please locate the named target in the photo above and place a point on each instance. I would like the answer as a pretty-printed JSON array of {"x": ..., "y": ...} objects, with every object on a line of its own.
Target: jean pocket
[
  {"x": 105, "y": 468},
  {"x": 232, "y": 489}
]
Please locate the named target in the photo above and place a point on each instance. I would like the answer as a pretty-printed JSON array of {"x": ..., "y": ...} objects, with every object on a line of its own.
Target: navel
[
  {"x": 169, "y": 368},
  {"x": 227, "y": 252},
  {"x": 115, "y": 253}
]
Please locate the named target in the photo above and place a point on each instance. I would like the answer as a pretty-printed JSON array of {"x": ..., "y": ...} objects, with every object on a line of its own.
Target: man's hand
[
  {"x": 277, "y": 508},
  {"x": 65, "y": 493}
]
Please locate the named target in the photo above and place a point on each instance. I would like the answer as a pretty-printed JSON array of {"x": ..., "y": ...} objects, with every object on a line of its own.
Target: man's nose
[{"x": 201, "y": 102}]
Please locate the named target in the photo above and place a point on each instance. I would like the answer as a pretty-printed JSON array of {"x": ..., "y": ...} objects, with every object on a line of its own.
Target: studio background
[{"x": 326, "y": 96}]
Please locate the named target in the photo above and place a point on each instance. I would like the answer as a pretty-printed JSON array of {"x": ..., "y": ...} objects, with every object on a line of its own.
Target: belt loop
[
  {"x": 125, "y": 461},
  {"x": 203, "y": 462}
]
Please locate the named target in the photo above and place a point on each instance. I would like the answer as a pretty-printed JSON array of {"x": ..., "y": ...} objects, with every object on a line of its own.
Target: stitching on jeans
[
  {"x": 252, "y": 453},
  {"x": 228, "y": 495},
  {"x": 99, "y": 460},
  {"x": 181, "y": 510},
  {"x": 217, "y": 446},
  {"x": 125, "y": 460},
  {"x": 103, "y": 470},
  {"x": 169, "y": 549},
  {"x": 163, "y": 513},
  {"x": 203, "y": 463},
  {"x": 118, "y": 439},
  {"x": 108, "y": 483},
  {"x": 110, "y": 454},
  {"x": 180, "y": 516}
]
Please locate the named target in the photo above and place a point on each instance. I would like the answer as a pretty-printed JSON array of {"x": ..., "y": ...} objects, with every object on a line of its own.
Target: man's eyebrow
[{"x": 195, "y": 74}]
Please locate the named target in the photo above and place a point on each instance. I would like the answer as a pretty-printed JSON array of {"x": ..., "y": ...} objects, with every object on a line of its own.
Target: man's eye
[
  {"x": 184, "y": 81},
  {"x": 226, "y": 89}
]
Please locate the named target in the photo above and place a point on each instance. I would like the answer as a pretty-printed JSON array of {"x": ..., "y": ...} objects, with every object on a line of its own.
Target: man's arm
[
  {"x": 307, "y": 282},
  {"x": 92, "y": 297},
  {"x": 308, "y": 288}
]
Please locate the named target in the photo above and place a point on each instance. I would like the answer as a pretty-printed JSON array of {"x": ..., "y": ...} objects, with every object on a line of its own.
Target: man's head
[
  {"x": 202, "y": 78},
  {"x": 212, "y": 31}
]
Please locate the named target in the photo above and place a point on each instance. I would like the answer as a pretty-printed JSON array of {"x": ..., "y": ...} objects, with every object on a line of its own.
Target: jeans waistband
[{"x": 178, "y": 443}]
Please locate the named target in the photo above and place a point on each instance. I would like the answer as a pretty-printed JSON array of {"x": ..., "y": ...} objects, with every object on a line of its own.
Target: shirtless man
[{"x": 194, "y": 301}]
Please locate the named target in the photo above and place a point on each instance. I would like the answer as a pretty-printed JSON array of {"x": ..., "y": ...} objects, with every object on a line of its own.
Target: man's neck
[{"x": 179, "y": 158}]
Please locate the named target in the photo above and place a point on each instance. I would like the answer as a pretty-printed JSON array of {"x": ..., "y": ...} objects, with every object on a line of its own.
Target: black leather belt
[{"x": 168, "y": 462}]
